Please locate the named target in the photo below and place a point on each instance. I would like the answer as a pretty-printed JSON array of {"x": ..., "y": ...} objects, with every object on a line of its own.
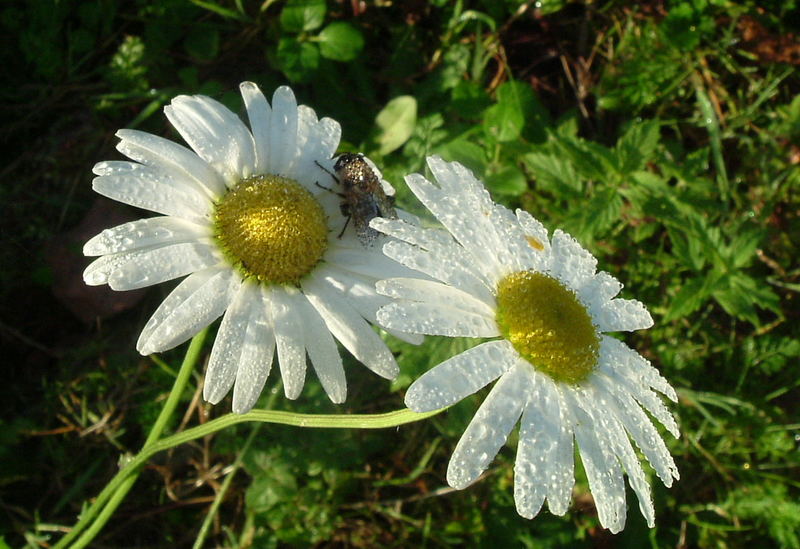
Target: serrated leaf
[
  {"x": 503, "y": 121},
  {"x": 302, "y": 15},
  {"x": 509, "y": 180},
  {"x": 601, "y": 212},
  {"x": 692, "y": 295},
  {"x": 340, "y": 41},
  {"x": 396, "y": 123},
  {"x": 553, "y": 173},
  {"x": 517, "y": 107},
  {"x": 636, "y": 147},
  {"x": 592, "y": 161}
]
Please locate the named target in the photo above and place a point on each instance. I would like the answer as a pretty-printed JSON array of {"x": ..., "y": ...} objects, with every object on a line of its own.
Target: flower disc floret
[
  {"x": 547, "y": 325},
  {"x": 272, "y": 229}
]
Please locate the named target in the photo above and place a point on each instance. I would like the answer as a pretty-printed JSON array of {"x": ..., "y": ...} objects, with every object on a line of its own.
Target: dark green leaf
[
  {"x": 298, "y": 60},
  {"x": 303, "y": 15}
]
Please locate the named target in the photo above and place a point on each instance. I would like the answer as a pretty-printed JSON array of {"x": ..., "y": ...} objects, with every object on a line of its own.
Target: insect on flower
[{"x": 363, "y": 197}]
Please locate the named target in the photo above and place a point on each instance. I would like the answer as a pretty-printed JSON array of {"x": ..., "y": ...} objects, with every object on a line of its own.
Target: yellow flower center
[
  {"x": 271, "y": 228},
  {"x": 547, "y": 325}
]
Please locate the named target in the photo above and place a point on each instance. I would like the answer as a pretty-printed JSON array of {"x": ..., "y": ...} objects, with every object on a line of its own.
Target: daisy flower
[
  {"x": 498, "y": 275},
  {"x": 245, "y": 217}
]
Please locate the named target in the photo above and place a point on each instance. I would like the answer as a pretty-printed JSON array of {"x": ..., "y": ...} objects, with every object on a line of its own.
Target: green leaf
[
  {"x": 635, "y": 148},
  {"x": 692, "y": 295},
  {"x": 202, "y": 43},
  {"x": 592, "y": 161},
  {"x": 553, "y": 173},
  {"x": 600, "y": 213},
  {"x": 465, "y": 152},
  {"x": 340, "y": 41},
  {"x": 504, "y": 120},
  {"x": 509, "y": 180},
  {"x": 396, "y": 123},
  {"x": 303, "y": 15},
  {"x": 297, "y": 60}
]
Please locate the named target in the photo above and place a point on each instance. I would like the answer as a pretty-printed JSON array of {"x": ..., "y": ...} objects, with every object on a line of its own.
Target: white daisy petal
[
  {"x": 244, "y": 310},
  {"x": 322, "y": 352},
  {"x": 290, "y": 339},
  {"x": 460, "y": 376},
  {"x": 255, "y": 355},
  {"x": 627, "y": 368},
  {"x": 428, "y": 319},
  {"x": 145, "y": 190},
  {"x": 242, "y": 351},
  {"x": 283, "y": 131},
  {"x": 544, "y": 464},
  {"x": 598, "y": 405},
  {"x": 641, "y": 430},
  {"x": 215, "y": 134},
  {"x": 432, "y": 265},
  {"x": 143, "y": 268},
  {"x": 433, "y": 293},
  {"x": 145, "y": 233},
  {"x": 572, "y": 264},
  {"x": 489, "y": 429},
  {"x": 598, "y": 291},
  {"x": 197, "y": 301},
  {"x": 360, "y": 293},
  {"x": 164, "y": 154},
  {"x": 623, "y": 315},
  {"x": 602, "y": 468},
  {"x": 259, "y": 114},
  {"x": 349, "y": 328}
]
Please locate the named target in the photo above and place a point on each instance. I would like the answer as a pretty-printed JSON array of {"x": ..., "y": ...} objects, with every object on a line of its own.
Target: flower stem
[
  {"x": 99, "y": 508},
  {"x": 112, "y": 495}
]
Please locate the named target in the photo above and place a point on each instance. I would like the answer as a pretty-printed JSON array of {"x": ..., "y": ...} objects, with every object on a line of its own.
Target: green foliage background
[{"x": 664, "y": 135}]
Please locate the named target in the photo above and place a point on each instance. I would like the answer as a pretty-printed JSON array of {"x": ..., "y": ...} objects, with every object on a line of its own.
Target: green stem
[
  {"x": 355, "y": 421},
  {"x": 99, "y": 509},
  {"x": 320, "y": 421}
]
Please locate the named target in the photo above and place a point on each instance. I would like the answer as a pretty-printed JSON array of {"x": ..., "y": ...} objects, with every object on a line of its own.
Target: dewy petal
[
  {"x": 359, "y": 291},
  {"x": 489, "y": 429},
  {"x": 428, "y": 319},
  {"x": 640, "y": 428},
  {"x": 149, "y": 189},
  {"x": 242, "y": 350},
  {"x": 611, "y": 434},
  {"x": 195, "y": 303},
  {"x": 283, "y": 131},
  {"x": 623, "y": 315},
  {"x": 259, "y": 114},
  {"x": 544, "y": 467},
  {"x": 460, "y": 376},
  {"x": 320, "y": 145},
  {"x": 322, "y": 352},
  {"x": 155, "y": 265},
  {"x": 145, "y": 233},
  {"x": 255, "y": 358},
  {"x": 434, "y": 293},
  {"x": 289, "y": 339},
  {"x": 434, "y": 252},
  {"x": 631, "y": 371},
  {"x": 604, "y": 472},
  {"x": 161, "y": 153},
  {"x": 571, "y": 264},
  {"x": 349, "y": 328},
  {"x": 216, "y": 135}
]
